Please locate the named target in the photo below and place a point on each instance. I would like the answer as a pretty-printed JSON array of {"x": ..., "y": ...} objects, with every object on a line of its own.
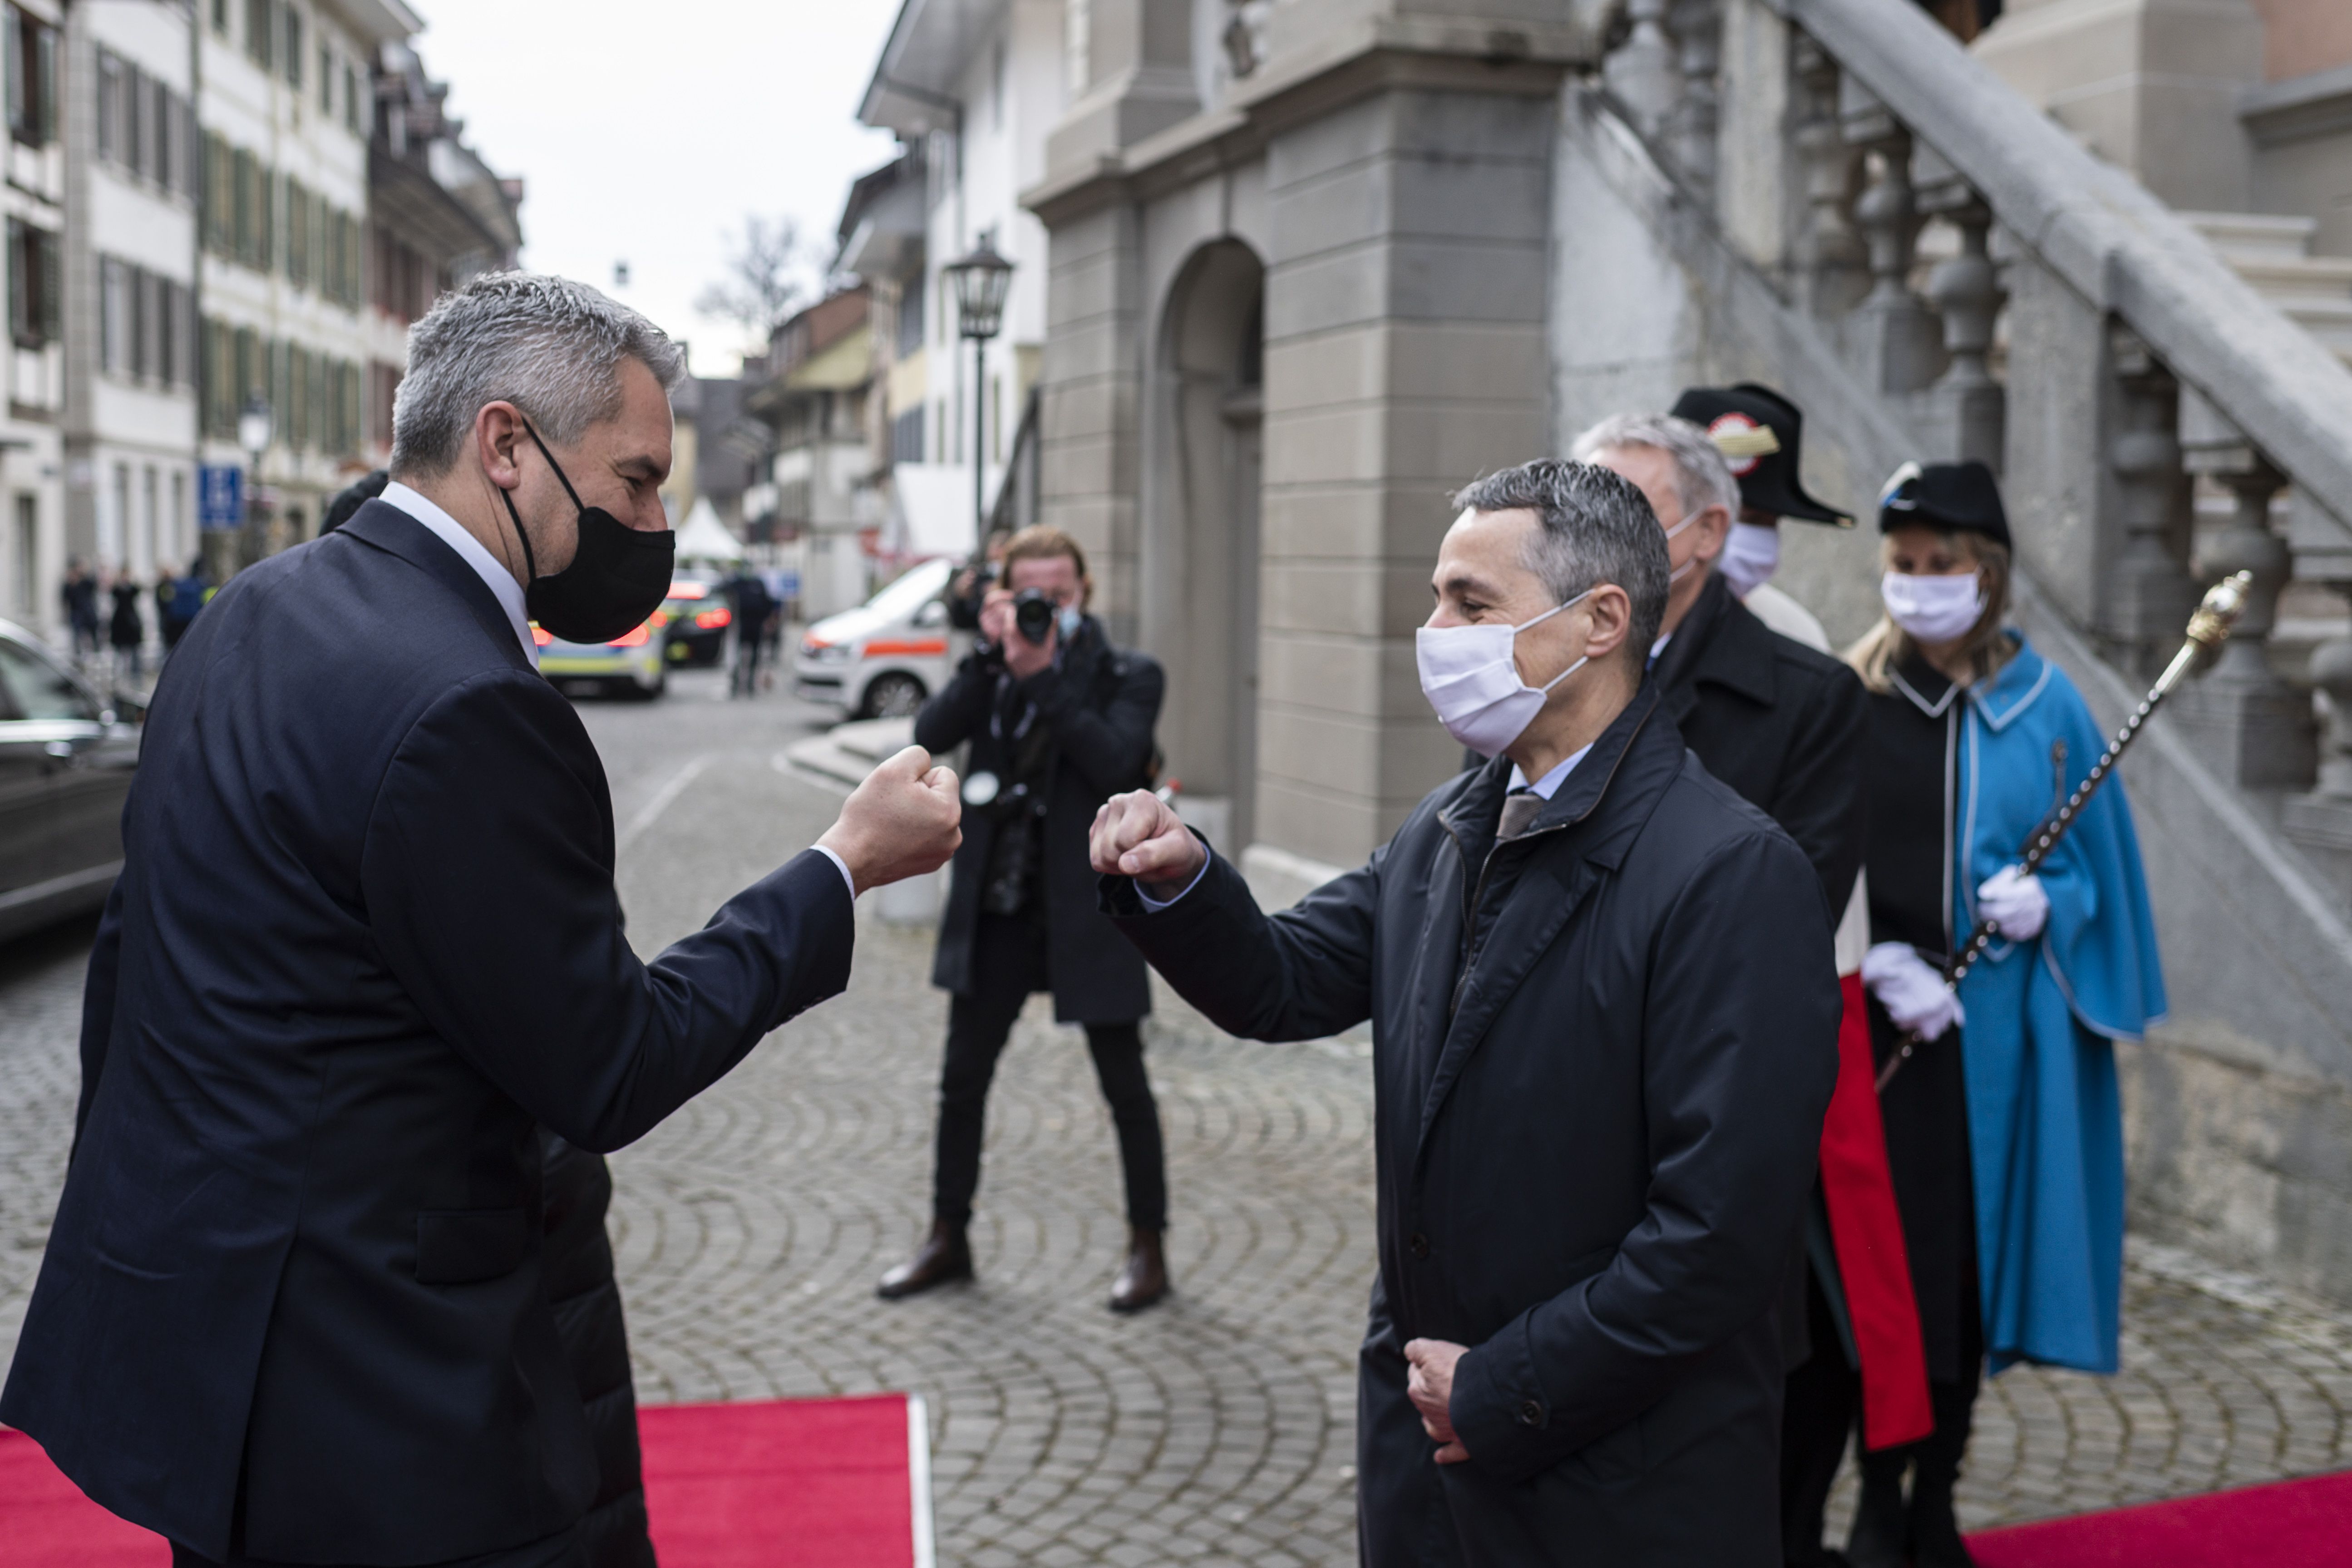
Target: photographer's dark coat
[
  {"x": 1600, "y": 1059},
  {"x": 1101, "y": 703}
]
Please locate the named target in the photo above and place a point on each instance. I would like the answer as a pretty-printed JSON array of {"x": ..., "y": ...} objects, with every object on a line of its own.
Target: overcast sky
[{"x": 646, "y": 132}]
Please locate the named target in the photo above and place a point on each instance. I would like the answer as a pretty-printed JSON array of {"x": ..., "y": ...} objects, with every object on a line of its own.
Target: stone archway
[{"x": 1199, "y": 590}]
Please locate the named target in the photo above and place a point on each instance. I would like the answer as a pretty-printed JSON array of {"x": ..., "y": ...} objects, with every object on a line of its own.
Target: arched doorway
[{"x": 1200, "y": 585}]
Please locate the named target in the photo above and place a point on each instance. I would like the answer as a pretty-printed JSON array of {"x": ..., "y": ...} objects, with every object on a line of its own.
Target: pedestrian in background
[
  {"x": 126, "y": 629},
  {"x": 1059, "y": 721},
  {"x": 1759, "y": 434},
  {"x": 78, "y": 594},
  {"x": 177, "y": 602},
  {"x": 1604, "y": 1027},
  {"x": 2004, "y": 1129},
  {"x": 750, "y": 609}
]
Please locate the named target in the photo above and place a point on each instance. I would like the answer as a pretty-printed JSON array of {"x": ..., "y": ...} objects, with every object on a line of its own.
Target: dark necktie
[{"x": 1519, "y": 809}]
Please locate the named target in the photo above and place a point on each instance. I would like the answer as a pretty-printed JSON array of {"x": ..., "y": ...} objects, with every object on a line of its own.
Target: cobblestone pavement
[{"x": 1215, "y": 1429}]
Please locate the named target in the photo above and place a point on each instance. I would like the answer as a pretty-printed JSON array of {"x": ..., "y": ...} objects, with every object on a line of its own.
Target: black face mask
[{"x": 618, "y": 576}]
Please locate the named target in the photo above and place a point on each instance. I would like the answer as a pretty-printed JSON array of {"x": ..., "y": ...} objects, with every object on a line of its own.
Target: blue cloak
[{"x": 2045, "y": 1122}]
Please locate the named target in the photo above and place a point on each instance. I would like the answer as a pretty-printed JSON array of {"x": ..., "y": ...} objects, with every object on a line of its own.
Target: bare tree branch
[{"x": 766, "y": 279}]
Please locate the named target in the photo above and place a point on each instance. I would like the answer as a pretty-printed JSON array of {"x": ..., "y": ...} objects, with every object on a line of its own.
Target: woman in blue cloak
[{"x": 2004, "y": 1131}]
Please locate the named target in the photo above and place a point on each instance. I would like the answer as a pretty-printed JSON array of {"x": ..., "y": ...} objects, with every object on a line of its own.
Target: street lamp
[
  {"x": 254, "y": 425},
  {"x": 981, "y": 280}
]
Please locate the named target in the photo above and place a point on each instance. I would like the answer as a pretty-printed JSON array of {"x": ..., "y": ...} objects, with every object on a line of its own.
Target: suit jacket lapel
[{"x": 387, "y": 527}]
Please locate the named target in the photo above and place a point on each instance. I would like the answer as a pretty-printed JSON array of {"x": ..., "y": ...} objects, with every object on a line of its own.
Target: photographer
[{"x": 1058, "y": 721}]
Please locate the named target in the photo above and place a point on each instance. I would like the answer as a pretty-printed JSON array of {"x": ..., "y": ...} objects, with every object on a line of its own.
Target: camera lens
[{"x": 1033, "y": 615}]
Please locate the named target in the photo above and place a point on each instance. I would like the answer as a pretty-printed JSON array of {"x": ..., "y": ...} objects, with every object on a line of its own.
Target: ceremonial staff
[{"x": 2209, "y": 628}]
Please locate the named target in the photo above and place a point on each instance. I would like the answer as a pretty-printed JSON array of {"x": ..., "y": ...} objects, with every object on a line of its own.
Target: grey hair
[
  {"x": 1703, "y": 476},
  {"x": 549, "y": 345},
  {"x": 1596, "y": 527}
]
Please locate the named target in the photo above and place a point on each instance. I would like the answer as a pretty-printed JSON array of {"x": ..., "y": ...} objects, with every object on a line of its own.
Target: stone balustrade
[{"x": 1866, "y": 182}]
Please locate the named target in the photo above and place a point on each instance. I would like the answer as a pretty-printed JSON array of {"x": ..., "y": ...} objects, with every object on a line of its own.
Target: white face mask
[
  {"x": 1933, "y": 609},
  {"x": 1471, "y": 679},
  {"x": 1683, "y": 571},
  {"x": 1749, "y": 556}
]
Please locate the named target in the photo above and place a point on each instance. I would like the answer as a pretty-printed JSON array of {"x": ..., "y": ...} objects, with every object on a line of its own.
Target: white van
[{"x": 881, "y": 659}]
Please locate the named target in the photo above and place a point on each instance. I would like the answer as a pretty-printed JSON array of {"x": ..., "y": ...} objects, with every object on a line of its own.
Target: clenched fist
[
  {"x": 904, "y": 820},
  {"x": 1139, "y": 835}
]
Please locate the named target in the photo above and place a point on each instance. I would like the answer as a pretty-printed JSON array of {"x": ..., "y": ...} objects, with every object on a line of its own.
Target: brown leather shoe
[
  {"x": 1145, "y": 1278},
  {"x": 944, "y": 1255}
]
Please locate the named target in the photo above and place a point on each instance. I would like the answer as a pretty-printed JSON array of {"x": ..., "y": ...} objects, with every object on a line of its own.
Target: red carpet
[
  {"x": 2286, "y": 1524},
  {"x": 825, "y": 1483}
]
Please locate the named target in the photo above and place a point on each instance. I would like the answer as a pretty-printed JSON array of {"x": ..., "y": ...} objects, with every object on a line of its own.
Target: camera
[{"x": 1033, "y": 615}]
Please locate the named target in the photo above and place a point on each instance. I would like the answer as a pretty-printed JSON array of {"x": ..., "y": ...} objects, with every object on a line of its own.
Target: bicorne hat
[
  {"x": 1756, "y": 430},
  {"x": 1952, "y": 496}
]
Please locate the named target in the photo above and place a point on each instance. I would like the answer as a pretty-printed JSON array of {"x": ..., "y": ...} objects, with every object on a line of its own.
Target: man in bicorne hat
[{"x": 1756, "y": 430}]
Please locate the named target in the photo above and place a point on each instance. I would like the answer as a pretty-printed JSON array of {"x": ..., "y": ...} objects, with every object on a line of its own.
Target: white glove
[
  {"x": 2015, "y": 902},
  {"x": 1911, "y": 989}
]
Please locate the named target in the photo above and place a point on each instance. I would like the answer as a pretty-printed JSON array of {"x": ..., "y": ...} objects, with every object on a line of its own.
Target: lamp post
[
  {"x": 255, "y": 426},
  {"x": 981, "y": 280}
]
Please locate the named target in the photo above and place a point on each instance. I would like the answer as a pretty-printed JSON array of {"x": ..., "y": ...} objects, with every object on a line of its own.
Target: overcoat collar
[
  {"x": 1584, "y": 832},
  {"x": 385, "y": 526},
  {"x": 2014, "y": 686},
  {"x": 1721, "y": 643}
]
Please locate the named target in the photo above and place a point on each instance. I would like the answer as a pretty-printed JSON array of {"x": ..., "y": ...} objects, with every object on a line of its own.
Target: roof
[{"x": 913, "y": 88}]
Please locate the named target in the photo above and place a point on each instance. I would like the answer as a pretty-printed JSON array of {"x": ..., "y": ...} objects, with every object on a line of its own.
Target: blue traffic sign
[{"x": 220, "y": 497}]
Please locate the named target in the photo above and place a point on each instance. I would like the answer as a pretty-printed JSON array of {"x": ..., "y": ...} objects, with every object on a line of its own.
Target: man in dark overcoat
[
  {"x": 1058, "y": 721},
  {"x": 1605, "y": 1023}
]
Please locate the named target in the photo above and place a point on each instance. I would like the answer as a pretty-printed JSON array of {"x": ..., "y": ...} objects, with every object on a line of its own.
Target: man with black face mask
[{"x": 364, "y": 952}]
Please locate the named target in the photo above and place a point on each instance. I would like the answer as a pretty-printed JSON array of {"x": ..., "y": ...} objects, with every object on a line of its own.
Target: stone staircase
[
  {"x": 1834, "y": 196},
  {"x": 2273, "y": 254}
]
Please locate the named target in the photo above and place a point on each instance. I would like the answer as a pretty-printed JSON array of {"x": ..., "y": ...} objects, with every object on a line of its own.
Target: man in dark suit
[
  {"x": 1059, "y": 721},
  {"x": 365, "y": 945},
  {"x": 1604, "y": 1031},
  {"x": 1779, "y": 723}
]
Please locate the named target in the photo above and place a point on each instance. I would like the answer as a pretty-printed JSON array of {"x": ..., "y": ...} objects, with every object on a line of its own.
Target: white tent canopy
[{"x": 705, "y": 538}]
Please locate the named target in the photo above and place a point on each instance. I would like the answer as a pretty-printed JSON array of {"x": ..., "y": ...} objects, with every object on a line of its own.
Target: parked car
[
  {"x": 634, "y": 664},
  {"x": 695, "y": 618},
  {"x": 882, "y": 658},
  {"x": 66, "y": 754}
]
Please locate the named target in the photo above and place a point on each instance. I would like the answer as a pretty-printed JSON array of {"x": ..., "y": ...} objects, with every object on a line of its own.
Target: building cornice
[
  {"x": 2299, "y": 108},
  {"x": 1380, "y": 54}
]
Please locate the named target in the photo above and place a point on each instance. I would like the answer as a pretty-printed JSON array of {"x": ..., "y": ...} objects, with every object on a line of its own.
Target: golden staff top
[{"x": 2209, "y": 628}]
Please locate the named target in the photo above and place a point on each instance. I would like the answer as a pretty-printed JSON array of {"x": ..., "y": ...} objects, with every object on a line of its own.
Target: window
[
  {"x": 37, "y": 689},
  {"x": 35, "y": 280},
  {"x": 293, "y": 50},
  {"x": 32, "y": 78},
  {"x": 148, "y": 518},
  {"x": 907, "y": 437},
  {"x": 257, "y": 31},
  {"x": 351, "y": 98},
  {"x": 326, "y": 80},
  {"x": 383, "y": 386},
  {"x": 910, "y": 320},
  {"x": 220, "y": 18}
]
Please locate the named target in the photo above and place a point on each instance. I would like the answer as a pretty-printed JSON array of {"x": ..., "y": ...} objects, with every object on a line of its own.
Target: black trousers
[
  {"x": 1008, "y": 962},
  {"x": 1820, "y": 1414}
]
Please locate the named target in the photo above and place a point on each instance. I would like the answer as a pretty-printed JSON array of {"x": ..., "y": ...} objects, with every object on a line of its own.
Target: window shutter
[
  {"x": 45, "y": 86},
  {"x": 53, "y": 278}
]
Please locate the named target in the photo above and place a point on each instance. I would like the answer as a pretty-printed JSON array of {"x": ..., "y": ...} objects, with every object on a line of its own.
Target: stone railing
[{"x": 1964, "y": 254}]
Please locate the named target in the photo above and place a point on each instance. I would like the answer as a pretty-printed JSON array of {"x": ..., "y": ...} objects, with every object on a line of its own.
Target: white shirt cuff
[
  {"x": 1153, "y": 905},
  {"x": 847, "y": 881}
]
